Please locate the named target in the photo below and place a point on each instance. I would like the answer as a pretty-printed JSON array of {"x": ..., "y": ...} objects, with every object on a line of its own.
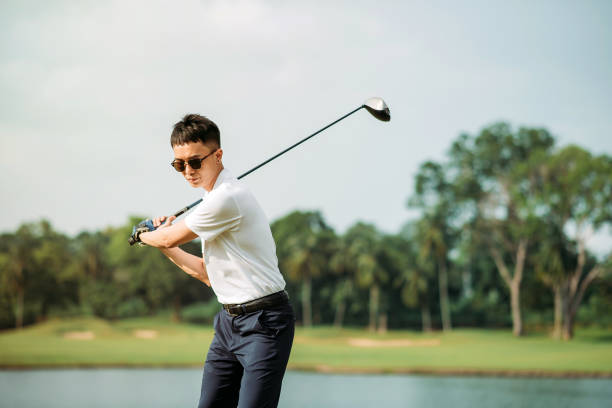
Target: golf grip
[{"x": 190, "y": 206}]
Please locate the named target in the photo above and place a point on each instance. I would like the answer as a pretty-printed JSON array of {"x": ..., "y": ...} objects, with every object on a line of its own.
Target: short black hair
[{"x": 194, "y": 128}]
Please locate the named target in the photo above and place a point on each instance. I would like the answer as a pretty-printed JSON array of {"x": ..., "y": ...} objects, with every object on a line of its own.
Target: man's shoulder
[
  {"x": 228, "y": 188},
  {"x": 232, "y": 192},
  {"x": 232, "y": 189},
  {"x": 223, "y": 194}
]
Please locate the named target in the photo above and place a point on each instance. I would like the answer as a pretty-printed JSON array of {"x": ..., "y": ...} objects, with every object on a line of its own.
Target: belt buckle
[{"x": 230, "y": 310}]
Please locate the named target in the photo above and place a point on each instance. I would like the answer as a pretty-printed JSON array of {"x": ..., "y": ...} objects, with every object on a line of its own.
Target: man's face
[{"x": 210, "y": 167}]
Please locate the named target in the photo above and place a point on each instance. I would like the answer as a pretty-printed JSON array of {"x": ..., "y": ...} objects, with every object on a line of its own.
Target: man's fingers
[
  {"x": 157, "y": 221},
  {"x": 163, "y": 221}
]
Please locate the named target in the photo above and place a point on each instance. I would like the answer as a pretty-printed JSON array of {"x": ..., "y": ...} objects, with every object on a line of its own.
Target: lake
[{"x": 180, "y": 388}]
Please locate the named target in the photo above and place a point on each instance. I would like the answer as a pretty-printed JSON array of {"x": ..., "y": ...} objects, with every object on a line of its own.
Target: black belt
[{"x": 275, "y": 299}]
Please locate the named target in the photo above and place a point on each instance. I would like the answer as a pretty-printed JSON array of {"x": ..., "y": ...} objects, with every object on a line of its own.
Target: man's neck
[{"x": 213, "y": 181}]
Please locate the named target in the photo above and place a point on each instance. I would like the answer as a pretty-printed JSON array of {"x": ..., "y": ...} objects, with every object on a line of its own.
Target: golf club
[{"x": 376, "y": 106}]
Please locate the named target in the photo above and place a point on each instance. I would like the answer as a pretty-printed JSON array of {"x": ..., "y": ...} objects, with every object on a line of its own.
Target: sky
[{"x": 90, "y": 91}]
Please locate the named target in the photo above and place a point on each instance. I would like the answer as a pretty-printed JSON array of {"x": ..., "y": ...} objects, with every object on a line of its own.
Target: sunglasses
[{"x": 179, "y": 165}]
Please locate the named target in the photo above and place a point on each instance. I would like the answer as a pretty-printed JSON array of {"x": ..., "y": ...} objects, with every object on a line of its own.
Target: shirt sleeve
[{"x": 217, "y": 213}]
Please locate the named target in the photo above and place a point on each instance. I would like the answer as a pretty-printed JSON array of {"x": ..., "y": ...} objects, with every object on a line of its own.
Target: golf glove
[{"x": 143, "y": 226}]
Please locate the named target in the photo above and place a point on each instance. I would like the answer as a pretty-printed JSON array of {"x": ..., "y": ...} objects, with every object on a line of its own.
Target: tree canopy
[{"x": 501, "y": 240}]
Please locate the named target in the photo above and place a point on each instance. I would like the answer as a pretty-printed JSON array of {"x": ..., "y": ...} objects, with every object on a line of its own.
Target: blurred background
[{"x": 482, "y": 211}]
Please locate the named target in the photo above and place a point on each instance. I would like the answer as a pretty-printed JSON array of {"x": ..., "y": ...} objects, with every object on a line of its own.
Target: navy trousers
[{"x": 247, "y": 358}]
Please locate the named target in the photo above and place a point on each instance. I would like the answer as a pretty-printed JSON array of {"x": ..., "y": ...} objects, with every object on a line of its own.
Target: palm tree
[
  {"x": 364, "y": 245},
  {"x": 434, "y": 237},
  {"x": 17, "y": 265},
  {"x": 414, "y": 275},
  {"x": 304, "y": 244}
]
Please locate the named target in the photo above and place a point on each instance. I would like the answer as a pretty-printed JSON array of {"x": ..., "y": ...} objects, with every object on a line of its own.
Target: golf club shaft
[{"x": 190, "y": 206}]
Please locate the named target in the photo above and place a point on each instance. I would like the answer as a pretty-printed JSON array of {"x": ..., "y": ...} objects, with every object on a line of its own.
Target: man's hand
[
  {"x": 163, "y": 221},
  {"x": 143, "y": 226},
  {"x": 148, "y": 226}
]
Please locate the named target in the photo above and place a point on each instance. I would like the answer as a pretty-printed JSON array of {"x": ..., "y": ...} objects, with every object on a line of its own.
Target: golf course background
[
  {"x": 494, "y": 277},
  {"x": 158, "y": 342}
]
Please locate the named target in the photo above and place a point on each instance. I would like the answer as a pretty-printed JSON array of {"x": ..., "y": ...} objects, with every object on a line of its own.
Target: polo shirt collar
[{"x": 223, "y": 175}]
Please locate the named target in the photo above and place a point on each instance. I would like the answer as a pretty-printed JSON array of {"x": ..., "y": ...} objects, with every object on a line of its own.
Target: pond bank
[
  {"x": 158, "y": 343},
  {"x": 340, "y": 370}
]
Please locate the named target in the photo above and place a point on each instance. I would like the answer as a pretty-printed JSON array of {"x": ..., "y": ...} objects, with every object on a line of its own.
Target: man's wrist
[
  {"x": 139, "y": 229},
  {"x": 141, "y": 234}
]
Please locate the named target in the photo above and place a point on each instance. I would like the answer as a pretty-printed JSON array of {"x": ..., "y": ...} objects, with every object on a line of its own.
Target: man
[{"x": 254, "y": 330}]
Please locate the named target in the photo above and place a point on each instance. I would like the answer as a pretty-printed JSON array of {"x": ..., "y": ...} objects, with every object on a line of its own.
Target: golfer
[{"x": 254, "y": 330}]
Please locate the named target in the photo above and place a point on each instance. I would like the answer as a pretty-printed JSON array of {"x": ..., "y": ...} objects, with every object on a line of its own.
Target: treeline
[{"x": 501, "y": 242}]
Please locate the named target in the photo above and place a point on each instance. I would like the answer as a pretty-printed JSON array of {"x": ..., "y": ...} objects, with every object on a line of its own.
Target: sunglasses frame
[{"x": 195, "y": 164}]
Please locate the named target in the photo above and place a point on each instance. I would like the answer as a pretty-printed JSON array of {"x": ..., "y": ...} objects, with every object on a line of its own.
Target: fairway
[{"x": 157, "y": 342}]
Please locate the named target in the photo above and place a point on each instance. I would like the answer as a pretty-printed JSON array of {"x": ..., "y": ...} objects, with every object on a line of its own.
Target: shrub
[
  {"x": 132, "y": 308},
  {"x": 201, "y": 312}
]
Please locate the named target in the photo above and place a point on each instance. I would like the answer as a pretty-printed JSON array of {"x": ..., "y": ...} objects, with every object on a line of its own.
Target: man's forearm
[
  {"x": 168, "y": 237},
  {"x": 191, "y": 264}
]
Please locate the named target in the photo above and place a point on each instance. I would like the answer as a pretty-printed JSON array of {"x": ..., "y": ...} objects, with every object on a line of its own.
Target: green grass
[
  {"x": 464, "y": 350},
  {"x": 474, "y": 351},
  {"x": 114, "y": 344}
]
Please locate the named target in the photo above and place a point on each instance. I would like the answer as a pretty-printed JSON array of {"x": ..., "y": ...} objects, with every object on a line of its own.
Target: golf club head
[{"x": 378, "y": 108}]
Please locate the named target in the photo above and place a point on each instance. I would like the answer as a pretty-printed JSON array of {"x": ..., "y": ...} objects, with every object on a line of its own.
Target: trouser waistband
[{"x": 275, "y": 299}]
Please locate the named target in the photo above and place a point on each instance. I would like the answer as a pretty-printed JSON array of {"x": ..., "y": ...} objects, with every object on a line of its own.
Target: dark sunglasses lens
[
  {"x": 178, "y": 165},
  {"x": 195, "y": 163}
]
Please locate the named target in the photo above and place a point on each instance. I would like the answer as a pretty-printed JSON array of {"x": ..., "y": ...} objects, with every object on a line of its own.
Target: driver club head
[{"x": 378, "y": 108}]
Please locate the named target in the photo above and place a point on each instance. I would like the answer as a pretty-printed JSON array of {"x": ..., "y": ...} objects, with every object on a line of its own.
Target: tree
[
  {"x": 432, "y": 237},
  {"x": 90, "y": 269},
  {"x": 576, "y": 195},
  {"x": 32, "y": 261},
  {"x": 304, "y": 247},
  {"x": 18, "y": 267},
  {"x": 344, "y": 286},
  {"x": 52, "y": 287},
  {"x": 414, "y": 284},
  {"x": 413, "y": 279},
  {"x": 364, "y": 248},
  {"x": 497, "y": 190},
  {"x": 143, "y": 278},
  {"x": 393, "y": 259},
  {"x": 435, "y": 197}
]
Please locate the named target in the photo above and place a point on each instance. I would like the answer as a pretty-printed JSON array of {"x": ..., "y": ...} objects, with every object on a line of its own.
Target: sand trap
[
  {"x": 324, "y": 368},
  {"x": 146, "y": 334},
  {"x": 79, "y": 335},
  {"x": 393, "y": 343}
]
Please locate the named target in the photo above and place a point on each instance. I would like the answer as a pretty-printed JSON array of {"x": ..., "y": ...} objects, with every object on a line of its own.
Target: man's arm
[
  {"x": 191, "y": 264},
  {"x": 169, "y": 236}
]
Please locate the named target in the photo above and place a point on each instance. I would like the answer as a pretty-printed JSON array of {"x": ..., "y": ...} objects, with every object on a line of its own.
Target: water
[{"x": 180, "y": 388}]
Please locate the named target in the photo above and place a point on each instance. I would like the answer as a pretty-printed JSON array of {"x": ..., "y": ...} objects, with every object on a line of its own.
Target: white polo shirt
[{"x": 237, "y": 244}]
